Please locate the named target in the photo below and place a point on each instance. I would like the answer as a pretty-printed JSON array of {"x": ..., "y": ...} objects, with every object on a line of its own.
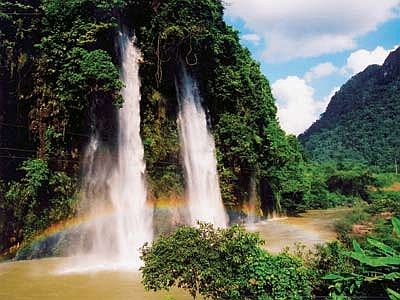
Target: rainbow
[
  {"x": 171, "y": 202},
  {"x": 77, "y": 221}
]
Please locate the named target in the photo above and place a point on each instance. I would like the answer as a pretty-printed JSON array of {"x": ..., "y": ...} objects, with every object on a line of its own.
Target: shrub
[
  {"x": 37, "y": 200},
  {"x": 351, "y": 183},
  {"x": 345, "y": 225},
  {"x": 385, "y": 202},
  {"x": 222, "y": 264},
  {"x": 328, "y": 258},
  {"x": 386, "y": 179},
  {"x": 378, "y": 272}
]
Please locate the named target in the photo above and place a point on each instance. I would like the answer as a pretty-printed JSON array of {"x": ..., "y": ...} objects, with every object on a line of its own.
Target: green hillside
[{"x": 362, "y": 120}]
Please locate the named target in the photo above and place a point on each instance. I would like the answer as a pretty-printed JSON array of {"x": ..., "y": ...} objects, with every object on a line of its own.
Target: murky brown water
[
  {"x": 310, "y": 228},
  {"x": 41, "y": 279}
]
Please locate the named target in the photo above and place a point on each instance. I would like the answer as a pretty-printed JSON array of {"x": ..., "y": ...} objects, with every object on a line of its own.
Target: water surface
[
  {"x": 309, "y": 228},
  {"x": 40, "y": 279},
  {"x": 49, "y": 278}
]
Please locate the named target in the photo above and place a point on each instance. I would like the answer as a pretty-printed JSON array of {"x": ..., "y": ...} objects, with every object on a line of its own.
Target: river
[
  {"x": 46, "y": 279},
  {"x": 309, "y": 228}
]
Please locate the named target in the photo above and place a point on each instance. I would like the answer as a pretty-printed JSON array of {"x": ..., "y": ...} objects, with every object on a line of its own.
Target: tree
[
  {"x": 361, "y": 121},
  {"x": 39, "y": 199},
  {"x": 222, "y": 264}
]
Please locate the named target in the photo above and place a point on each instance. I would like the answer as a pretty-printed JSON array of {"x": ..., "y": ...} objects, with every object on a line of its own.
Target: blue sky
[{"x": 309, "y": 48}]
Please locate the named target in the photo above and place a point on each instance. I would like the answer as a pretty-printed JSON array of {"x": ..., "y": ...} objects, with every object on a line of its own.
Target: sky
[{"x": 309, "y": 48}]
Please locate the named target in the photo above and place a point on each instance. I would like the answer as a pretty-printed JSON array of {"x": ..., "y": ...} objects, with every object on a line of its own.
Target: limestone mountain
[{"x": 362, "y": 120}]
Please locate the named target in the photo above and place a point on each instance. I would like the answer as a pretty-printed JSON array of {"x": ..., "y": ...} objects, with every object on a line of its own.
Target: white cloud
[
  {"x": 251, "y": 37},
  {"x": 360, "y": 59},
  {"x": 305, "y": 28},
  {"x": 325, "y": 101},
  {"x": 319, "y": 71},
  {"x": 297, "y": 106}
]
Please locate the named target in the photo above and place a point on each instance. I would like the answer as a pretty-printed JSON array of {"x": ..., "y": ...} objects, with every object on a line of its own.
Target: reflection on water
[{"x": 44, "y": 279}]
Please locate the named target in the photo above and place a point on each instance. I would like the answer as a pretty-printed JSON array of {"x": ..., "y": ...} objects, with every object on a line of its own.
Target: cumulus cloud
[
  {"x": 356, "y": 62},
  {"x": 360, "y": 59},
  {"x": 297, "y": 106},
  {"x": 305, "y": 28},
  {"x": 251, "y": 37},
  {"x": 319, "y": 71}
]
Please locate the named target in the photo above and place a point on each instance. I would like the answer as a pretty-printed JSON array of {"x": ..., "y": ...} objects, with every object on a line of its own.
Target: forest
[
  {"x": 60, "y": 85},
  {"x": 360, "y": 123}
]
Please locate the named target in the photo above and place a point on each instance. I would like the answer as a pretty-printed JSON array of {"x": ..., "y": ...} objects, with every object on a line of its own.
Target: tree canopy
[{"x": 361, "y": 122}]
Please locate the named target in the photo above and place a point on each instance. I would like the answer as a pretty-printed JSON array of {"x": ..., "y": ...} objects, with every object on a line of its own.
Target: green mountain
[{"x": 362, "y": 120}]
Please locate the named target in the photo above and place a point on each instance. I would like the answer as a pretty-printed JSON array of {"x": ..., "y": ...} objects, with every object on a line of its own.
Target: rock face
[{"x": 362, "y": 120}]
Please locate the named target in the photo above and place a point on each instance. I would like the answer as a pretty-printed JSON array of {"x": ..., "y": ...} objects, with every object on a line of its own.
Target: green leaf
[
  {"x": 333, "y": 277},
  {"x": 392, "y": 276},
  {"x": 393, "y": 295},
  {"x": 376, "y": 261},
  {"x": 357, "y": 247},
  {"x": 381, "y": 246},
  {"x": 339, "y": 277},
  {"x": 396, "y": 225}
]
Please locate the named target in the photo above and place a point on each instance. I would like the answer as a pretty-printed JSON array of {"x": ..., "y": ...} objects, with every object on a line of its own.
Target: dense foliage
[
  {"x": 370, "y": 235},
  {"x": 229, "y": 264},
  {"x": 330, "y": 184},
  {"x": 237, "y": 96},
  {"x": 222, "y": 264},
  {"x": 41, "y": 197},
  {"x": 361, "y": 121},
  {"x": 378, "y": 273},
  {"x": 57, "y": 62},
  {"x": 60, "y": 84}
]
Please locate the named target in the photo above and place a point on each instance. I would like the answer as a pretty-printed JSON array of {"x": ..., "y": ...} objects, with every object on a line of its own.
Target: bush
[
  {"x": 24, "y": 199},
  {"x": 378, "y": 273},
  {"x": 39, "y": 199},
  {"x": 386, "y": 179},
  {"x": 328, "y": 258},
  {"x": 385, "y": 202},
  {"x": 345, "y": 225},
  {"x": 351, "y": 183},
  {"x": 333, "y": 185},
  {"x": 222, "y": 264}
]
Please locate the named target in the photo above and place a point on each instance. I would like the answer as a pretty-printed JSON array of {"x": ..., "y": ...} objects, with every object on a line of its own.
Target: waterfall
[
  {"x": 128, "y": 187},
  {"x": 198, "y": 151},
  {"x": 120, "y": 219}
]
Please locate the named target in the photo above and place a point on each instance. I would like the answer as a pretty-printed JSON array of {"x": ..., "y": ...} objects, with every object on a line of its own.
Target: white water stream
[
  {"x": 198, "y": 150},
  {"x": 121, "y": 219}
]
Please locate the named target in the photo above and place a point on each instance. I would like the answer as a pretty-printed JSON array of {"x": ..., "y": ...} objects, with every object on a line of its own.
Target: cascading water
[
  {"x": 122, "y": 220},
  {"x": 198, "y": 149},
  {"x": 128, "y": 188}
]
